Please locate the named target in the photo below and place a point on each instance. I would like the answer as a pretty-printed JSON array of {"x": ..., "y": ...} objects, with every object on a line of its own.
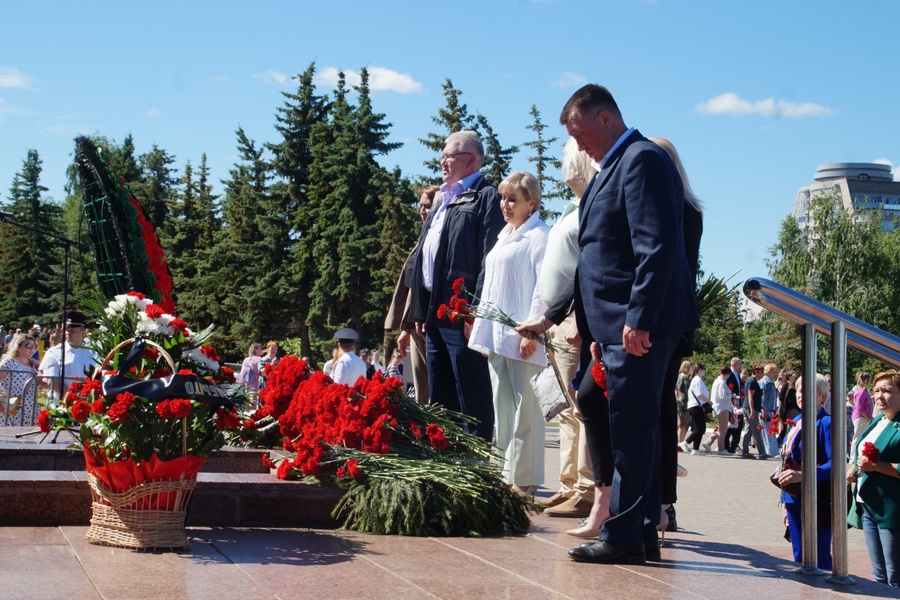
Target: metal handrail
[
  {"x": 796, "y": 307},
  {"x": 844, "y": 330}
]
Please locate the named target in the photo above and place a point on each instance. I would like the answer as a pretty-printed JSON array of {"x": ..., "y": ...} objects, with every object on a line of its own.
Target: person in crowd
[
  {"x": 575, "y": 496},
  {"x": 459, "y": 231},
  {"x": 18, "y": 369},
  {"x": 635, "y": 299},
  {"x": 863, "y": 407},
  {"x": 752, "y": 409},
  {"x": 249, "y": 375},
  {"x": 698, "y": 396},
  {"x": 692, "y": 231},
  {"x": 733, "y": 433},
  {"x": 375, "y": 361},
  {"x": 329, "y": 364},
  {"x": 398, "y": 313},
  {"x": 395, "y": 366},
  {"x": 268, "y": 361},
  {"x": 736, "y": 385},
  {"x": 681, "y": 398},
  {"x": 348, "y": 367},
  {"x": 794, "y": 449},
  {"x": 721, "y": 403},
  {"x": 2, "y": 339},
  {"x": 79, "y": 360},
  {"x": 511, "y": 273},
  {"x": 876, "y": 497},
  {"x": 366, "y": 357},
  {"x": 769, "y": 408}
]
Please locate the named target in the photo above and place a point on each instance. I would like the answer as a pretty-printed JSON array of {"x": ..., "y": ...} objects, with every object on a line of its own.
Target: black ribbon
[{"x": 156, "y": 390}]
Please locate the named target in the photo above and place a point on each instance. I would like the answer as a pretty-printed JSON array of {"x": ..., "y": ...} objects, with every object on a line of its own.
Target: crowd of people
[{"x": 606, "y": 297}]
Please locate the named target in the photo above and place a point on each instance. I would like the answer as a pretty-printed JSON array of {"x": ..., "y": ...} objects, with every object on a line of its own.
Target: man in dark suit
[
  {"x": 634, "y": 298},
  {"x": 460, "y": 230}
]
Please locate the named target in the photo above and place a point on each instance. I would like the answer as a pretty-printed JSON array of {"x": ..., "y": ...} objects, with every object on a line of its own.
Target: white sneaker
[
  {"x": 706, "y": 446},
  {"x": 697, "y": 453},
  {"x": 684, "y": 447},
  {"x": 724, "y": 453}
]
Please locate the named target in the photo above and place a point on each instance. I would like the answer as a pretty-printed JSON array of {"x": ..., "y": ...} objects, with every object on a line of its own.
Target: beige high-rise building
[{"x": 864, "y": 187}]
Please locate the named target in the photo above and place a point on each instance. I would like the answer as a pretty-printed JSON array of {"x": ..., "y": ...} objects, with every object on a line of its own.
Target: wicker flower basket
[{"x": 150, "y": 510}]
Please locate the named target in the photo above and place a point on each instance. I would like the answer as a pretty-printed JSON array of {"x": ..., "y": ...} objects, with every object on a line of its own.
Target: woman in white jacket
[{"x": 511, "y": 272}]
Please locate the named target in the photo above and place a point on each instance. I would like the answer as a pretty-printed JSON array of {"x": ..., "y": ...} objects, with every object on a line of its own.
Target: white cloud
[
  {"x": 895, "y": 169},
  {"x": 273, "y": 77},
  {"x": 14, "y": 78},
  {"x": 153, "y": 112},
  {"x": 570, "y": 80},
  {"x": 380, "y": 80},
  {"x": 732, "y": 104}
]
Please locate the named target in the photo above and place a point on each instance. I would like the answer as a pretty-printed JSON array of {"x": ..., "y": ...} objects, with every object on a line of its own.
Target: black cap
[
  {"x": 74, "y": 318},
  {"x": 346, "y": 335}
]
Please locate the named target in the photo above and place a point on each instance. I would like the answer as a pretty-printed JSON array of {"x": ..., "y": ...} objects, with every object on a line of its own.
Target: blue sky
[{"x": 755, "y": 95}]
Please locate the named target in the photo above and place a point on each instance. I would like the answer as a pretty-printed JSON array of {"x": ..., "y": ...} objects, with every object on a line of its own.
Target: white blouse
[
  {"x": 511, "y": 272},
  {"x": 698, "y": 388}
]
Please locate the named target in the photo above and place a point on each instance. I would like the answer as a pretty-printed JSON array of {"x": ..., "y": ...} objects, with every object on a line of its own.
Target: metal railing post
[
  {"x": 840, "y": 569},
  {"x": 808, "y": 496}
]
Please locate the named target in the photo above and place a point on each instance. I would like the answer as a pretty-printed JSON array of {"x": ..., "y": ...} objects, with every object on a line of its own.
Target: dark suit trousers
[
  {"x": 635, "y": 388},
  {"x": 458, "y": 379}
]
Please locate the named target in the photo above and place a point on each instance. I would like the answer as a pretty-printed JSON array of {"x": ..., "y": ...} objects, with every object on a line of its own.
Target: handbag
[
  {"x": 707, "y": 406},
  {"x": 792, "y": 489},
  {"x": 548, "y": 389}
]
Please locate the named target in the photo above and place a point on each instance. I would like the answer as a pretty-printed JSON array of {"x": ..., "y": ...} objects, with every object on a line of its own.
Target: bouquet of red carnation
[
  {"x": 460, "y": 309},
  {"x": 378, "y": 443},
  {"x": 599, "y": 375},
  {"x": 870, "y": 452}
]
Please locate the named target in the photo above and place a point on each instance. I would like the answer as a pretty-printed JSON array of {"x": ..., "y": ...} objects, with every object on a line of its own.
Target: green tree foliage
[
  {"x": 28, "y": 256},
  {"x": 545, "y": 163},
  {"x": 497, "y": 159},
  {"x": 156, "y": 187},
  {"x": 453, "y": 117},
  {"x": 842, "y": 259}
]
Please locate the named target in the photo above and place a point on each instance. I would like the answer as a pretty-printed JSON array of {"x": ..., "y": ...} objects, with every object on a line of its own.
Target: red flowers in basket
[{"x": 870, "y": 452}]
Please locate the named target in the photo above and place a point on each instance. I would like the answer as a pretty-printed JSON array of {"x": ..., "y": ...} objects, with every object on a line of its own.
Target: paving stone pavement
[{"x": 729, "y": 545}]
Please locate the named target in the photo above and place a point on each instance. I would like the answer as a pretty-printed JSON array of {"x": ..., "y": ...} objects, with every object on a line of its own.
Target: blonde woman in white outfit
[{"x": 511, "y": 273}]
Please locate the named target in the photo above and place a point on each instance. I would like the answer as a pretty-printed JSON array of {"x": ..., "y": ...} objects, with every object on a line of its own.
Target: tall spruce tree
[
  {"x": 292, "y": 158},
  {"x": 156, "y": 188},
  {"x": 544, "y": 163},
  {"x": 497, "y": 159},
  {"x": 228, "y": 272},
  {"x": 453, "y": 117},
  {"x": 28, "y": 256}
]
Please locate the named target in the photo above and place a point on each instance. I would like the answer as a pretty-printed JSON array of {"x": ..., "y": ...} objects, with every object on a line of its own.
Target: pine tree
[
  {"x": 450, "y": 119},
  {"x": 28, "y": 256},
  {"x": 497, "y": 159},
  {"x": 544, "y": 163},
  {"x": 292, "y": 159},
  {"x": 156, "y": 189}
]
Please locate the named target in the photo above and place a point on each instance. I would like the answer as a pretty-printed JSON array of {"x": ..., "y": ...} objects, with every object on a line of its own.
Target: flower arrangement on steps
[
  {"x": 408, "y": 469},
  {"x": 146, "y": 421}
]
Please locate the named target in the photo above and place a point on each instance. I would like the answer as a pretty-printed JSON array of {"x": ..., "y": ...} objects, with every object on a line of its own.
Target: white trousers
[{"x": 519, "y": 421}]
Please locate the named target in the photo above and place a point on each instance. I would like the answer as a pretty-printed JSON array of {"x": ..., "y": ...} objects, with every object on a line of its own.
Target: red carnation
[
  {"x": 353, "y": 468},
  {"x": 179, "y": 324},
  {"x": 154, "y": 311},
  {"x": 870, "y": 452},
  {"x": 98, "y": 407},
  {"x": 80, "y": 411},
  {"x": 599, "y": 374},
  {"x": 92, "y": 386},
  {"x": 185, "y": 372},
  {"x": 731, "y": 386},
  {"x": 210, "y": 353},
  {"x": 414, "y": 429},
  {"x": 227, "y": 419},
  {"x": 137, "y": 295},
  {"x": 459, "y": 286},
  {"x": 267, "y": 461},
  {"x": 443, "y": 311},
  {"x": 44, "y": 420}
]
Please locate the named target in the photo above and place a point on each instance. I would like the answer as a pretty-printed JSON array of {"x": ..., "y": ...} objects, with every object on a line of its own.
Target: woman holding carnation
[
  {"x": 511, "y": 273},
  {"x": 17, "y": 380},
  {"x": 794, "y": 449},
  {"x": 876, "y": 499}
]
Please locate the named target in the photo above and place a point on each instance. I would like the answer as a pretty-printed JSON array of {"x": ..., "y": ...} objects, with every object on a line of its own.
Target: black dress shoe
[
  {"x": 673, "y": 525},
  {"x": 652, "y": 552},
  {"x": 609, "y": 553}
]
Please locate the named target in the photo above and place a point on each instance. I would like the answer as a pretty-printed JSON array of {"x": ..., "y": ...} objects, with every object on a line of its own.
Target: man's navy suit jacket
[{"x": 633, "y": 269}]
